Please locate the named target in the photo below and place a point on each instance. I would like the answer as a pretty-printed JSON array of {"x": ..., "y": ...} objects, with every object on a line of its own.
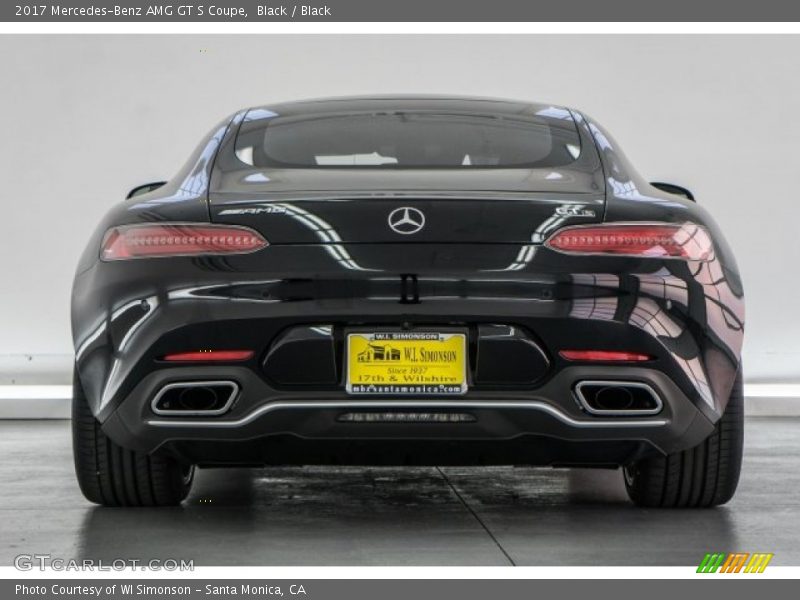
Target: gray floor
[{"x": 420, "y": 516}]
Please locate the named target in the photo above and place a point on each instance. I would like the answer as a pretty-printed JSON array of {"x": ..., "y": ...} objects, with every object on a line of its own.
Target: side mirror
[
  {"x": 145, "y": 189},
  {"x": 671, "y": 188}
]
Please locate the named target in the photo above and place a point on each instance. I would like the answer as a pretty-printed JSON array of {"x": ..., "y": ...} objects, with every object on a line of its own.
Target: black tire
[
  {"x": 111, "y": 475},
  {"x": 701, "y": 477}
]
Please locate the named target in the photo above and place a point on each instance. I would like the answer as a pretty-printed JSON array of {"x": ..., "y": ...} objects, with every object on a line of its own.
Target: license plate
[{"x": 405, "y": 363}]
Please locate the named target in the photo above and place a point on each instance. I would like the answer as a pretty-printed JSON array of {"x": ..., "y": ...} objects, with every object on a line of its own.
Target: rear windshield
[{"x": 409, "y": 139}]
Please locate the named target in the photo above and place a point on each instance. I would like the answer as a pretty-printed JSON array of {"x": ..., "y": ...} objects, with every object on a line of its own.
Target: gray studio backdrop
[{"x": 84, "y": 118}]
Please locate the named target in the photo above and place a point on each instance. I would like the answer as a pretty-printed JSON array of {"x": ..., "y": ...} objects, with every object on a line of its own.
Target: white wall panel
[{"x": 84, "y": 118}]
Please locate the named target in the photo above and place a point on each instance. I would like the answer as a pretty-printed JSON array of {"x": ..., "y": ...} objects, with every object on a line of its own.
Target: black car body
[{"x": 365, "y": 220}]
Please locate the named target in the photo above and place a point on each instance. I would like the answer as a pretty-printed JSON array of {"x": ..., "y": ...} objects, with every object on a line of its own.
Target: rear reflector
[
  {"x": 604, "y": 356},
  {"x": 210, "y": 356},
  {"x": 178, "y": 239},
  {"x": 686, "y": 241}
]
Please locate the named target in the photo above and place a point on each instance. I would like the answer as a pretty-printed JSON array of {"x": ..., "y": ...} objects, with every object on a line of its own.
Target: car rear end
[{"x": 460, "y": 309}]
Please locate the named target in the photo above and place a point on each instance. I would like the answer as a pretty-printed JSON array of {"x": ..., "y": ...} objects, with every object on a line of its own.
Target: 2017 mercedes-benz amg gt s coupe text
[{"x": 408, "y": 280}]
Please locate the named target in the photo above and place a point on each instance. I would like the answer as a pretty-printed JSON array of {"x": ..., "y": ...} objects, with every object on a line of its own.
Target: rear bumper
[
  {"x": 128, "y": 315},
  {"x": 501, "y": 421}
]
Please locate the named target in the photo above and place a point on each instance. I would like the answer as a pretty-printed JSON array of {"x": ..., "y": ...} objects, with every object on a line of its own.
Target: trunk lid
[{"x": 302, "y": 206}]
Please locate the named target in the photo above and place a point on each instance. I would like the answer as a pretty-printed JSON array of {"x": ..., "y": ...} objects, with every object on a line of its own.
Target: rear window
[{"x": 409, "y": 139}]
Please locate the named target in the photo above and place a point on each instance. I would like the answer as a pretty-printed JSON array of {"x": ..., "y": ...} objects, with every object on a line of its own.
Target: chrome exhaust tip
[
  {"x": 618, "y": 398},
  {"x": 195, "y": 398}
]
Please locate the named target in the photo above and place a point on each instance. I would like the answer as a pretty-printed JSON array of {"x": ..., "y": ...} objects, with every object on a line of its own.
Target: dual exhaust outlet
[
  {"x": 195, "y": 398},
  {"x": 618, "y": 398}
]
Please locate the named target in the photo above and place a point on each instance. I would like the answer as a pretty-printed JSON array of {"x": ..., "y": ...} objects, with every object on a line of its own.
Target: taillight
[
  {"x": 604, "y": 356},
  {"x": 178, "y": 239},
  {"x": 686, "y": 241}
]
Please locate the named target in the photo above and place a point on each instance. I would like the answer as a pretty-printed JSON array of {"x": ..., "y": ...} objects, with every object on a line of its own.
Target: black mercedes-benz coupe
[{"x": 408, "y": 281}]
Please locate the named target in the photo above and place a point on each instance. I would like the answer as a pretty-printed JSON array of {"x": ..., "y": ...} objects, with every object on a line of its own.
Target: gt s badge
[{"x": 574, "y": 211}]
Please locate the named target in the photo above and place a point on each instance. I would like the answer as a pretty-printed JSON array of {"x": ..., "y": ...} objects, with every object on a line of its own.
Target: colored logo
[
  {"x": 736, "y": 562},
  {"x": 376, "y": 353}
]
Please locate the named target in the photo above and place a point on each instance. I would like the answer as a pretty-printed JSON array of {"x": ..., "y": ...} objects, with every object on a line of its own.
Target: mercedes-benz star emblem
[{"x": 406, "y": 220}]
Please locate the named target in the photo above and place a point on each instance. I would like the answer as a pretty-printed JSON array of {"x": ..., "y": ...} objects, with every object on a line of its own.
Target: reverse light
[
  {"x": 210, "y": 356},
  {"x": 604, "y": 356},
  {"x": 178, "y": 239},
  {"x": 687, "y": 241}
]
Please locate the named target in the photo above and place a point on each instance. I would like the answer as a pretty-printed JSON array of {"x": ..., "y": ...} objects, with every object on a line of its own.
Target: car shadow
[{"x": 406, "y": 516}]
